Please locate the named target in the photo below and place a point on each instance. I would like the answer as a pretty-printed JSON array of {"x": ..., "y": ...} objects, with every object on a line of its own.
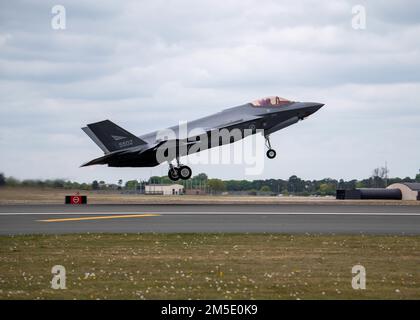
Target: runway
[{"x": 252, "y": 218}]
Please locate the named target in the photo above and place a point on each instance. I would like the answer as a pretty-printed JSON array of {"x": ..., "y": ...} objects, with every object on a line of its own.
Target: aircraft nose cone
[
  {"x": 318, "y": 105},
  {"x": 314, "y": 106},
  {"x": 309, "y": 108}
]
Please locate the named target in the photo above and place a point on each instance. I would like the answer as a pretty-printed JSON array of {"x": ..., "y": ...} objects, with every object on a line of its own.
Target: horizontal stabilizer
[{"x": 100, "y": 160}]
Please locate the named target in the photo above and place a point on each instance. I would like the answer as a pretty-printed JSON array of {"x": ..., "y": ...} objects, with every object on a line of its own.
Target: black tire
[
  {"x": 173, "y": 174},
  {"x": 184, "y": 172},
  {"x": 271, "y": 154}
]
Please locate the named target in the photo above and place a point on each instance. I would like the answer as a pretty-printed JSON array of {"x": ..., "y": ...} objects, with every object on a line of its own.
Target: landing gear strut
[
  {"x": 271, "y": 153},
  {"x": 179, "y": 172}
]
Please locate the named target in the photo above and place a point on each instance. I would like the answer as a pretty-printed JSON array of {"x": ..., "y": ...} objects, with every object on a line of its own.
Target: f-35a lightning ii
[{"x": 123, "y": 149}]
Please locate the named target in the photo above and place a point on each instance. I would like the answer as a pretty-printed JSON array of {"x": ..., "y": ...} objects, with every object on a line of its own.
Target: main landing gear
[
  {"x": 271, "y": 153},
  {"x": 179, "y": 172}
]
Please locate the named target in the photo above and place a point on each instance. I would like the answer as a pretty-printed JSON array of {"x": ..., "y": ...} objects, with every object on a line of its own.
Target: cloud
[{"x": 146, "y": 65}]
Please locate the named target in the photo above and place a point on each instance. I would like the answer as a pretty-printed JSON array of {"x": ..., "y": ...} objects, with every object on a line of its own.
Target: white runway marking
[{"x": 215, "y": 213}]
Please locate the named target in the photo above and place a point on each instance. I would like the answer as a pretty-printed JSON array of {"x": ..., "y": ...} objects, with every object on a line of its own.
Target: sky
[{"x": 147, "y": 65}]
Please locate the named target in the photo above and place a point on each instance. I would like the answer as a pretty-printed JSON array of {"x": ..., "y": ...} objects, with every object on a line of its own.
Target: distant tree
[
  {"x": 265, "y": 189},
  {"x": 199, "y": 181},
  {"x": 166, "y": 180},
  {"x": 58, "y": 184},
  {"x": 95, "y": 185},
  {"x": 258, "y": 184},
  {"x": 75, "y": 185},
  {"x": 351, "y": 184},
  {"x": 216, "y": 185},
  {"x": 379, "y": 177},
  {"x": 252, "y": 192},
  {"x": 381, "y": 172},
  {"x": 68, "y": 185},
  {"x": 85, "y": 186},
  {"x": 407, "y": 179},
  {"x": 327, "y": 189},
  {"x": 309, "y": 187},
  {"x": 155, "y": 180},
  {"x": 366, "y": 183},
  {"x": 245, "y": 185},
  {"x": 12, "y": 182},
  {"x": 233, "y": 185},
  {"x": 28, "y": 183},
  {"x": 202, "y": 177},
  {"x": 161, "y": 180},
  {"x": 131, "y": 185},
  {"x": 295, "y": 185}
]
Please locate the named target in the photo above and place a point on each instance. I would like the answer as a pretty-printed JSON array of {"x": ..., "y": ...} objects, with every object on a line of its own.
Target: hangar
[
  {"x": 396, "y": 191},
  {"x": 164, "y": 189},
  {"x": 409, "y": 190}
]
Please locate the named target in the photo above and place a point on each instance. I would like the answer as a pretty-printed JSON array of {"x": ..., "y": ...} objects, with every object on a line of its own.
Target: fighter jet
[{"x": 123, "y": 149}]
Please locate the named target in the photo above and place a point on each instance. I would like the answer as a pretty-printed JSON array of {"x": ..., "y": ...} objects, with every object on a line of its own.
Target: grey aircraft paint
[{"x": 123, "y": 149}]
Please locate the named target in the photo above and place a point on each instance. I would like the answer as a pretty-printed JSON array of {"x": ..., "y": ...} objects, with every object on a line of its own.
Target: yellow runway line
[{"x": 100, "y": 217}]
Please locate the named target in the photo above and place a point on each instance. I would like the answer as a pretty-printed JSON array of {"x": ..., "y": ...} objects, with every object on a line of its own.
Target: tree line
[{"x": 292, "y": 186}]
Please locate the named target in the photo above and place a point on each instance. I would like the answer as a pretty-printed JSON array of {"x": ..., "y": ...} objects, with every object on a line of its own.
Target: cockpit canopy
[{"x": 273, "y": 101}]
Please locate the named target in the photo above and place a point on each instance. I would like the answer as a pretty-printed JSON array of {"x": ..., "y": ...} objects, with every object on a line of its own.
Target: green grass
[{"x": 209, "y": 266}]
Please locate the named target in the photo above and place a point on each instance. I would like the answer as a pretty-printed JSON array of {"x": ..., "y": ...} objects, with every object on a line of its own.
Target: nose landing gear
[
  {"x": 271, "y": 153},
  {"x": 179, "y": 172}
]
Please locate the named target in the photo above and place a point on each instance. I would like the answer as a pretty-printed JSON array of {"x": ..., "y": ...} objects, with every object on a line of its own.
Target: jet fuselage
[{"x": 266, "y": 116}]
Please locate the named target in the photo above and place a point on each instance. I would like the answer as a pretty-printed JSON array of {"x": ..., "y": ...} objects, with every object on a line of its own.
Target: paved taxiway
[{"x": 284, "y": 218}]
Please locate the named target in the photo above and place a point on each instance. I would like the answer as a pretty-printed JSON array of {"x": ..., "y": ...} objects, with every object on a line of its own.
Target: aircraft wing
[
  {"x": 193, "y": 133},
  {"x": 116, "y": 142}
]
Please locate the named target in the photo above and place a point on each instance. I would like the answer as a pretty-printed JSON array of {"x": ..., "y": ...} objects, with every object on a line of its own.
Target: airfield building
[
  {"x": 396, "y": 191},
  {"x": 164, "y": 189},
  {"x": 409, "y": 190}
]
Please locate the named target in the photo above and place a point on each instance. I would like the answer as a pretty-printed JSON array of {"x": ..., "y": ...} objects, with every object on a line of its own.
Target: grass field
[
  {"x": 209, "y": 266},
  {"x": 20, "y": 195}
]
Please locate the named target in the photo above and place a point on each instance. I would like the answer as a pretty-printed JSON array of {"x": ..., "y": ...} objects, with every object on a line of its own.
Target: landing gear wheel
[
  {"x": 173, "y": 174},
  {"x": 184, "y": 172},
  {"x": 271, "y": 154}
]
